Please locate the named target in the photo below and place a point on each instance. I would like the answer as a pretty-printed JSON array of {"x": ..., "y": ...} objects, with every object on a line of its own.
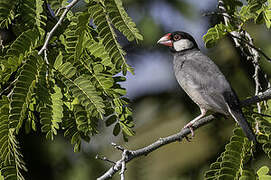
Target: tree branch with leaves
[{"x": 62, "y": 71}]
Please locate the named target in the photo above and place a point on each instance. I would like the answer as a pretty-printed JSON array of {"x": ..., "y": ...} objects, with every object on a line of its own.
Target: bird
[{"x": 203, "y": 81}]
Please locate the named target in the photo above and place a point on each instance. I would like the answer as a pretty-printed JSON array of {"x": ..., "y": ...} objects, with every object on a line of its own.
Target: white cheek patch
[{"x": 182, "y": 44}]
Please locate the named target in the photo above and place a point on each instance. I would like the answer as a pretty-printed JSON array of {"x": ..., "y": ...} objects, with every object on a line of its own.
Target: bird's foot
[
  {"x": 190, "y": 126},
  {"x": 188, "y": 138}
]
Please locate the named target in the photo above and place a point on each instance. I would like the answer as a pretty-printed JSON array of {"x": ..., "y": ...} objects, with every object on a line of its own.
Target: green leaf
[
  {"x": 116, "y": 129},
  {"x": 59, "y": 60},
  {"x": 111, "y": 120},
  {"x": 232, "y": 162},
  {"x": 260, "y": 18},
  {"x": 267, "y": 18},
  {"x": 67, "y": 70},
  {"x": 263, "y": 171},
  {"x": 120, "y": 91},
  {"x": 98, "y": 68},
  {"x": 215, "y": 33},
  {"x": 84, "y": 124},
  {"x": 126, "y": 129},
  {"x": 255, "y": 7},
  {"x": 7, "y": 13}
]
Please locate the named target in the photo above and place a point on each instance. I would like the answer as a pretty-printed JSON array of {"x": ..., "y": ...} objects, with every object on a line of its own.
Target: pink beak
[{"x": 165, "y": 40}]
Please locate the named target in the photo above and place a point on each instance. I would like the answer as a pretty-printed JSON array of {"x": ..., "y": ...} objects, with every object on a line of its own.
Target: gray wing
[{"x": 202, "y": 80}]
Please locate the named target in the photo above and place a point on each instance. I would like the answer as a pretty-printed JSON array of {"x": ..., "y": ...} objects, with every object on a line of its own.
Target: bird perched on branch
[{"x": 202, "y": 80}]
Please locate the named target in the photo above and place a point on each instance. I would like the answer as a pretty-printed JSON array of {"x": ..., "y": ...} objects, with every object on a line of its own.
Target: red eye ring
[{"x": 176, "y": 37}]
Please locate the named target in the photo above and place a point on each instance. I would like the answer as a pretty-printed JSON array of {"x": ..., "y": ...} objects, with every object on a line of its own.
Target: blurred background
[{"x": 160, "y": 106}]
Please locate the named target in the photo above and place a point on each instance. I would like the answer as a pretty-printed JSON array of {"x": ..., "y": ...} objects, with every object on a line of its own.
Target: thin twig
[
  {"x": 132, "y": 154},
  {"x": 261, "y": 114},
  {"x": 216, "y": 13},
  {"x": 252, "y": 46},
  {"x": 50, "y": 34},
  {"x": 117, "y": 146},
  {"x": 104, "y": 159}
]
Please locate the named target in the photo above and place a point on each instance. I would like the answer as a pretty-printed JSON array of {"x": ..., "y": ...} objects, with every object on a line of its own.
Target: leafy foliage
[
  {"x": 11, "y": 158},
  {"x": 257, "y": 11},
  {"x": 23, "y": 92},
  {"x": 263, "y": 173},
  {"x": 73, "y": 85},
  {"x": 52, "y": 114},
  {"x": 106, "y": 31},
  {"x": 7, "y": 14},
  {"x": 264, "y": 137},
  {"x": 215, "y": 33},
  {"x": 13, "y": 57},
  {"x": 231, "y": 164},
  {"x": 121, "y": 20}
]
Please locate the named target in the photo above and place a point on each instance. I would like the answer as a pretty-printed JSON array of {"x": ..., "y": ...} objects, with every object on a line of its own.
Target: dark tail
[
  {"x": 241, "y": 120},
  {"x": 233, "y": 104}
]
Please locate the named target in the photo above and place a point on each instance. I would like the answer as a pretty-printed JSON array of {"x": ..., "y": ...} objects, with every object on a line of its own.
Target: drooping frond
[
  {"x": 40, "y": 17},
  {"x": 74, "y": 126},
  {"x": 75, "y": 36},
  {"x": 23, "y": 92},
  {"x": 11, "y": 158},
  {"x": 124, "y": 116},
  {"x": 95, "y": 70},
  {"x": 87, "y": 95},
  {"x": 121, "y": 20},
  {"x": 232, "y": 162},
  {"x": 51, "y": 114},
  {"x": 106, "y": 31},
  {"x": 264, "y": 124},
  {"x": 24, "y": 44},
  {"x": 263, "y": 173},
  {"x": 97, "y": 49},
  {"x": 85, "y": 124},
  {"x": 4, "y": 128},
  {"x": 7, "y": 13},
  {"x": 82, "y": 89},
  {"x": 56, "y": 4},
  {"x": 12, "y": 169}
]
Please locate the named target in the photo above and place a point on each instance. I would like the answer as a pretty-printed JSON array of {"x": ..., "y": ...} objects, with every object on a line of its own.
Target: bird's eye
[{"x": 176, "y": 37}]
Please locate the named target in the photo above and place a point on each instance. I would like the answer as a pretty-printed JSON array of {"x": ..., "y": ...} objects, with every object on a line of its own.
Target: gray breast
[{"x": 201, "y": 79}]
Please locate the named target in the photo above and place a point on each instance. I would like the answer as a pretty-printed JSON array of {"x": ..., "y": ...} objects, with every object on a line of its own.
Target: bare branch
[
  {"x": 123, "y": 164},
  {"x": 50, "y": 34},
  {"x": 131, "y": 154}
]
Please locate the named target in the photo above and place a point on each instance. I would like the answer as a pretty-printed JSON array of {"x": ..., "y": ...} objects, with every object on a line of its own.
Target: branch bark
[
  {"x": 50, "y": 34},
  {"x": 132, "y": 154}
]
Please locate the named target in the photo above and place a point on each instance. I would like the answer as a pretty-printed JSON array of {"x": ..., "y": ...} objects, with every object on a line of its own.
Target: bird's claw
[
  {"x": 188, "y": 138},
  {"x": 191, "y": 130}
]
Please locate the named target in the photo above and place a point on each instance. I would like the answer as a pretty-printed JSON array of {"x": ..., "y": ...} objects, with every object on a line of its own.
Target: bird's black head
[{"x": 178, "y": 41}]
